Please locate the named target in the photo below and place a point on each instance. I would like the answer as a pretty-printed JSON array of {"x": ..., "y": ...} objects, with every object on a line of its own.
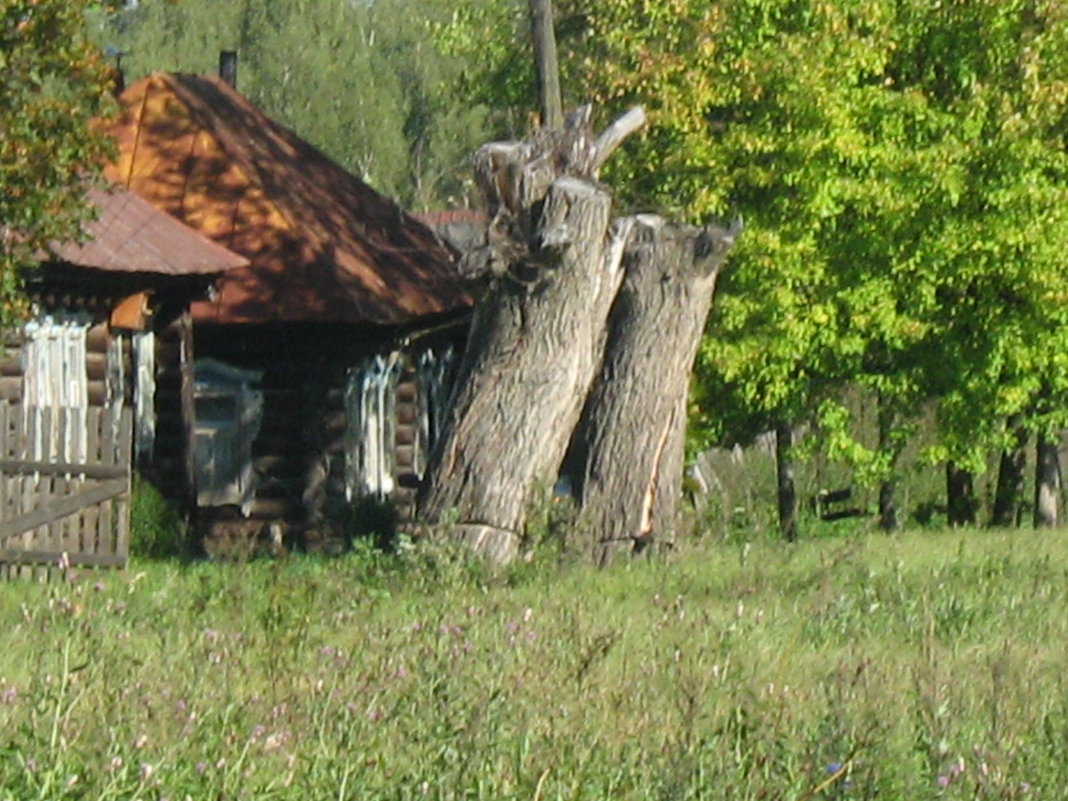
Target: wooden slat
[
  {"x": 55, "y": 503},
  {"x": 88, "y": 470},
  {"x": 48, "y": 512}
]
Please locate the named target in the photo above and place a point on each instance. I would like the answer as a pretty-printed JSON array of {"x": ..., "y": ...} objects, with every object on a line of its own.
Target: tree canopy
[
  {"x": 53, "y": 83},
  {"x": 900, "y": 167}
]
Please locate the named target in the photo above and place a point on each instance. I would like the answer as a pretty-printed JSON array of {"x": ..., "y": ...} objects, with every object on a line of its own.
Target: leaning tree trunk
[
  {"x": 1047, "y": 483},
  {"x": 627, "y": 454},
  {"x": 1008, "y": 498},
  {"x": 554, "y": 257},
  {"x": 960, "y": 495}
]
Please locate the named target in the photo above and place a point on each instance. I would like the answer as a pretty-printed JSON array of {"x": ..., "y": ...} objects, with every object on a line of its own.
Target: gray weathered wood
[
  {"x": 50, "y": 506},
  {"x": 50, "y": 512},
  {"x": 553, "y": 263},
  {"x": 85, "y": 469},
  {"x": 626, "y": 460}
]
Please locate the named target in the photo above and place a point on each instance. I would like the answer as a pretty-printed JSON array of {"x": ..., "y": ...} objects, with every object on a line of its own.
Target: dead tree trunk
[
  {"x": 554, "y": 259},
  {"x": 1047, "y": 483},
  {"x": 627, "y": 454}
]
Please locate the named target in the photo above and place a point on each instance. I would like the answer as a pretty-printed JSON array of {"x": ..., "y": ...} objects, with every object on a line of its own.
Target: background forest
[
  {"x": 900, "y": 168},
  {"x": 375, "y": 85}
]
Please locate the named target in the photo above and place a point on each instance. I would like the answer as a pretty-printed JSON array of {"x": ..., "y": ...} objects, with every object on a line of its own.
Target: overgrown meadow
[{"x": 915, "y": 667}]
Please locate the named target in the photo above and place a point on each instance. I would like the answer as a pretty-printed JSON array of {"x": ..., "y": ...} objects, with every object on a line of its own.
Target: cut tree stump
[
  {"x": 626, "y": 460},
  {"x": 581, "y": 345},
  {"x": 552, "y": 265}
]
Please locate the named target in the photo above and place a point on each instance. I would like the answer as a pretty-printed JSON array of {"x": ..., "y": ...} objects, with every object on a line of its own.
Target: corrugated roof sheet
[
  {"x": 322, "y": 244},
  {"x": 131, "y": 235}
]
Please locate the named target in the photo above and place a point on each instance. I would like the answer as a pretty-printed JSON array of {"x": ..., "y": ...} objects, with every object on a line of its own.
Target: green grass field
[{"x": 922, "y": 666}]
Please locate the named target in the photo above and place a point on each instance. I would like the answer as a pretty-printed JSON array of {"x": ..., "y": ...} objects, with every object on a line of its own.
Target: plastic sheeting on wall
[
  {"x": 229, "y": 409},
  {"x": 55, "y": 379},
  {"x": 371, "y": 411},
  {"x": 144, "y": 357}
]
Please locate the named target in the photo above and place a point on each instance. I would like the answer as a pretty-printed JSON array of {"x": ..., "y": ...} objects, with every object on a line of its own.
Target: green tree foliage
[
  {"x": 53, "y": 82},
  {"x": 900, "y": 168},
  {"x": 996, "y": 76},
  {"x": 365, "y": 82}
]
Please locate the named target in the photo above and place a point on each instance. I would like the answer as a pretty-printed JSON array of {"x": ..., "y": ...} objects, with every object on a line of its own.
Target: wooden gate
[{"x": 64, "y": 489}]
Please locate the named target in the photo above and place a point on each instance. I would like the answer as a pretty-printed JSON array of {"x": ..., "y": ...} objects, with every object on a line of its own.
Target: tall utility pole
[{"x": 541, "y": 28}]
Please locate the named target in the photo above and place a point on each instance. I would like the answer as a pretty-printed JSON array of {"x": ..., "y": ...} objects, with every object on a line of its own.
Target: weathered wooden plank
[
  {"x": 11, "y": 556},
  {"x": 122, "y": 526},
  {"x": 92, "y": 443},
  {"x": 87, "y": 533},
  {"x": 11, "y": 364},
  {"x": 47, "y": 512},
  {"x": 11, "y": 389},
  {"x": 87, "y": 470}
]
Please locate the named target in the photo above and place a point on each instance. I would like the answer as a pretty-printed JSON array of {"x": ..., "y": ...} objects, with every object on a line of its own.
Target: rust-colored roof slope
[
  {"x": 322, "y": 244},
  {"x": 131, "y": 235}
]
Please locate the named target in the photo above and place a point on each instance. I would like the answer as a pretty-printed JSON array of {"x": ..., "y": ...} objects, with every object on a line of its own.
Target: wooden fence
[{"x": 64, "y": 489}]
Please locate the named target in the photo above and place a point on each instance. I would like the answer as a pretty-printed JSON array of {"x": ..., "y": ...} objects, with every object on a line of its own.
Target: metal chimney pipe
[{"x": 228, "y": 67}]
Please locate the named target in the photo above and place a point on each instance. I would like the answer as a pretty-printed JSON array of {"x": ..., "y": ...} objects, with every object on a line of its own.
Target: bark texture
[
  {"x": 1008, "y": 498},
  {"x": 627, "y": 454},
  {"x": 787, "y": 485},
  {"x": 553, "y": 264},
  {"x": 1047, "y": 483},
  {"x": 961, "y": 503}
]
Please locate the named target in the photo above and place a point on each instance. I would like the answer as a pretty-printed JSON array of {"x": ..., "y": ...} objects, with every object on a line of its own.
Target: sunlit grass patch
[{"x": 920, "y": 666}]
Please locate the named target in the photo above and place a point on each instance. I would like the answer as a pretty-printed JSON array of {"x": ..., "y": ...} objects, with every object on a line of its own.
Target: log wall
[{"x": 299, "y": 454}]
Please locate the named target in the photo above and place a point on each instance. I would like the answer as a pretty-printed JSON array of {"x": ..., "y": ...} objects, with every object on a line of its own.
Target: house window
[
  {"x": 229, "y": 410},
  {"x": 370, "y": 406},
  {"x": 56, "y": 386}
]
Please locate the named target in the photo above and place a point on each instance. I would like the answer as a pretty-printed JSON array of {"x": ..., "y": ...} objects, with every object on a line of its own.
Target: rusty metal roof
[
  {"x": 130, "y": 235},
  {"x": 323, "y": 245}
]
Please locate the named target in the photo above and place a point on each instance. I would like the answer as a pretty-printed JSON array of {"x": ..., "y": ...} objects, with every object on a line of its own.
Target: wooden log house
[
  {"x": 322, "y": 366},
  {"x": 110, "y": 328}
]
